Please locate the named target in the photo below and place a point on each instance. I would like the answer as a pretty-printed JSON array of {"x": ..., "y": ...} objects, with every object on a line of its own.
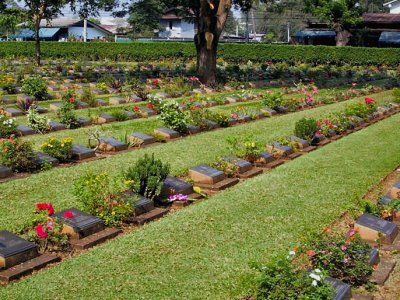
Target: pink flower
[
  {"x": 369, "y": 100},
  {"x": 50, "y": 225},
  {"x": 311, "y": 253},
  {"x": 318, "y": 132},
  {"x": 68, "y": 214},
  {"x": 41, "y": 233},
  {"x": 343, "y": 248},
  {"x": 354, "y": 84}
]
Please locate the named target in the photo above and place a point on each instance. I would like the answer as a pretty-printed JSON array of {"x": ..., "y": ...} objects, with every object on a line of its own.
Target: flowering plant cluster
[
  {"x": 60, "y": 149},
  {"x": 66, "y": 113},
  {"x": 325, "y": 127},
  {"x": 17, "y": 154},
  {"x": 7, "y": 83},
  {"x": 7, "y": 127},
  {"x": 173, "y": 117},
  {"x": 309, "y": 92},
  {"x": 344, "y": 258},
  {"x": 245, "y": 148},
  {"x": 37, "y": 122},
  {"x": 361, "y": 109},
  {"x": 46, "y": 230},
  {"x": 178, "y": 198}
]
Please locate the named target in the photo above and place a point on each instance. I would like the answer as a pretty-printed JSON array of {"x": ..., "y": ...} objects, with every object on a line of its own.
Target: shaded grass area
[
  {"x": 204, "y": 251},
  {"x": 18, "y": 197}
]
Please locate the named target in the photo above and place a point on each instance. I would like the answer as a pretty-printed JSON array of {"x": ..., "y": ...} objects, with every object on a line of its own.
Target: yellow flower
[
  {"x": 197, "y": 189},
  {"x": 62, "y": 145}
]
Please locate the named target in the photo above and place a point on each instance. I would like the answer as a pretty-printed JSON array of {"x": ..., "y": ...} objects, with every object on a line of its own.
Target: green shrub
[
  {"x": 66, "y": 113},
  {"x": 222, "y": 118},
  {"x": 306, "y": 128},
  {"x": 17, "y": 154},
  {"x": 359, "y": 109},
  {"x": 60, "y": 149},
  {"x": 35, "y": 86},
  {"x": 88, "y": 97},
  {"x": 7, "y": 127},
  {"x": 172, "y": 116},
  {"x": 37, "y": 122},
  {"x": 272, "y": 99},
  {"x": 7, "y": 83},
  {"x": 281, "y": 280},
  {"x": 147, "y": 176},
  {"x": 98, "y": 195},
  {"x": 245, "y": 148},
  {"x": 119, "y": 115}
]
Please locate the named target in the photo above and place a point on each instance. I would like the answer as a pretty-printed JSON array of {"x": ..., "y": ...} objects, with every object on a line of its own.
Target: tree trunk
[
  {"x": 342, "y": 37},
  {"x": 37, "y": 42},
  {"x": 211, "y": 20}
]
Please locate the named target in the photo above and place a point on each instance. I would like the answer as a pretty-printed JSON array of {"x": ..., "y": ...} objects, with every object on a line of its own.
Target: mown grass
[
  {"x": 55, "y": 185},
  {"x": 205, "y": 251}
]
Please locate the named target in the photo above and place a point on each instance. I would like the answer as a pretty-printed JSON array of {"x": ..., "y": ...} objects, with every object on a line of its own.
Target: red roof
[{"x": 381, "y": 18}]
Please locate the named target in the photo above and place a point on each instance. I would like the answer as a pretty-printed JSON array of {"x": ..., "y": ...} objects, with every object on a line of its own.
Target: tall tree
[
  {"x": 342, "y": 15},
  {"x": 9, "y": 19},
  {"x": 210, "y": 17}
]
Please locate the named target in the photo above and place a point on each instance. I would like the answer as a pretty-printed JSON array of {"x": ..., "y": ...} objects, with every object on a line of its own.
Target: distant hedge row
[{"x": 230, "y": 52}]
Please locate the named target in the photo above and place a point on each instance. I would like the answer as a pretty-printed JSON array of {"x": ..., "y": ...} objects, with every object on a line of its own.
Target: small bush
[
  {"x": 245, "y": 148},
  {"x": 7, "y": 127},
  {"x": 66, "y": 113},
  {"x": 37, "y": 122},
  {"x": 17, "y": 154},
  {"x": 173, "y": 117},
  {"x": 305, "y": 128},
  {"x": 360, "y": 109},
  {"x": 7, "y": 83},
  {"x": 272, "y": 99},
  {"x": 60, "y": 149},
  {"x": 148, "y": 175},
  {"x": 98, "y": 195},
  {"x": 35, "y": 87},
  {"x": 88, "y": 97},
  {"x": 119, "y": 115}
]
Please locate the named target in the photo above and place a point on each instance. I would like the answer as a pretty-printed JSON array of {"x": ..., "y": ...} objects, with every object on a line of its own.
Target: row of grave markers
[{"x": 20, "y": 257}]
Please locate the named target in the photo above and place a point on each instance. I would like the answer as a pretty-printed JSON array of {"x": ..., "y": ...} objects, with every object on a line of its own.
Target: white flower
[
  {"x": 314, "y": 283},
  {"x": 315, "y": 276},
  {"x": 317, "y": 271},
  {"x": 292, "y": 253}
]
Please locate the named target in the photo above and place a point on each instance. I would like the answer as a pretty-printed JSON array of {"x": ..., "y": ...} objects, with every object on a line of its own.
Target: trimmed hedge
[{"x": 240, "y": 53}]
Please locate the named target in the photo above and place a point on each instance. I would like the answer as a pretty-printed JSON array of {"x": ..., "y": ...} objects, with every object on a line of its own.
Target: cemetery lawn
[
  {"x": 205, "y": 251},
  {"x": 18, "y": 197}
]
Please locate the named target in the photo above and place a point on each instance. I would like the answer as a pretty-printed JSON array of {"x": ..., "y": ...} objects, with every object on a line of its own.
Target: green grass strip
[
  {"x": 18, "y": 197},
  {"x": 203, "y": 252}
]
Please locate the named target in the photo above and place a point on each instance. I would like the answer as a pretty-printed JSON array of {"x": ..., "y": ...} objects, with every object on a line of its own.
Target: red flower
[
  {"x": 41, "y": 233},
  {"x": 137, "y": 108},
  {"x": 369, "y": 100},
  {"x": 318, "y": 132},
  {"x": 311, "y": 253},
  {"x": 312, "y": 82},
  {"x": 41, "y": 206},
  {"x": 68, "y": 214},
  {"x": 71, "y": 99},
  {"x": 151, "y": 106},
  {"x": 156, "y": 81},
  {"x": 326, "y": 122},
  {"x": 319, "y": 123},
  {"x": 50, "y": 209},
  {"x": 330, "y": 126}
]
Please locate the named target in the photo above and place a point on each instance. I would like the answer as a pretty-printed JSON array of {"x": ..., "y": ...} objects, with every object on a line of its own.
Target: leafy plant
[
  {"x": 272, "y": 99},
  {"x": 306, "y": 128},
  {"x": 8, "y": 83},
  {"x": 173, "y": 117},
  {"x": 37, "y": 122},
  {"x": 17, "y": 154},
  {"x": 35, "y": 87},
  {"x": 119, "y": 115},
  {"x": 88, "y": 97},
  {"x": 60, "y": 149},
  {"x": 7, "y": 127},
  {"x": 245, "y": 148},
  {"x": 98, "y": 195},
  {"x": 148, "y": 175},
  {"x": 66, "y": 113},
  {"x": 228, "y": 167}
]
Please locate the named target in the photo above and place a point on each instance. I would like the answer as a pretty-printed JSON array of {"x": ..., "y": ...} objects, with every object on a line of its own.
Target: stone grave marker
[
  {"x": 265, "y": 158},
  {"x": 105, "y": 118},
  {"x": 167, "y": 133},
  {"x": 300, "y": 142},
  {"x": 342, "y": 290},
  {"x": 56, "y": 126},
  {"x": 13, "y": 112},
  {"x": 210, "y": 124},
  {"x": 101, "y": 102},
  {"x": 112, "y": 145},
  {"x": 84, "y": 121},
  {"x": 81, "y": 224},
  {"x": 385, "y": 200},
  {"x": 117, "y": 100},
  {"x": 147, "y": 112},
  {"x": 80, "y": 152},
  {"x": 269, "y": 112},
  {"x": 55, "y": 106},
  {"x": 143, "y": 205},
  {"x": 6, "y": 100},
  {"x": 41, "y": 159},
  {"x": 5, "y": 172},
  {"x": 372, "y": 228},
  {"x": 233, "y": 99},
  {"x": 141, "y": 138},
  {"x": 162, "y": 95},
  {"x": 243, "y": 117},
  {"x": 281, "y": 109},
  {"x": 25, "y": 98},
  {"x": 394, "y": 192},
  {"x": 173, "y": 185},
  {"x": 24, "y": 130},
  {"x": 281, "y": 150},
  {"x": 206, "y": 174},
  {"x": 129, "y": 114},
  {"x": 41, "y": 110},
  {"x": 242, "y": 165},
  {"x": 15, "y": 250},
  {"x": 192, "y": 129},
  {"x": 81, "y": 105},
  {"x": 134, "y": 98}
]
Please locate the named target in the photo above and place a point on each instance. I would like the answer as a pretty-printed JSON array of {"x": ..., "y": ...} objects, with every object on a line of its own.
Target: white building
[
  {"x": 176, "y": 27},
  {"x": 394, "y": 6}
]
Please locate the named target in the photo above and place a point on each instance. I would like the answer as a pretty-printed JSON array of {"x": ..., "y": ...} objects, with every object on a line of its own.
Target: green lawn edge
[{"x": 204, "y": 251}]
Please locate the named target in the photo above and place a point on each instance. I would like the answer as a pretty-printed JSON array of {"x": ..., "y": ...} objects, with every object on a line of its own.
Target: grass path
[
  {"x": 204, "y": 251},
  {"x": 18, "y": 197}
]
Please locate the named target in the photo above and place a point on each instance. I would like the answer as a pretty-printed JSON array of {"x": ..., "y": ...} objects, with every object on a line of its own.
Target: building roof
[
  {"x": 381, "y": 18},
  {"x": 390, "y": 2}
]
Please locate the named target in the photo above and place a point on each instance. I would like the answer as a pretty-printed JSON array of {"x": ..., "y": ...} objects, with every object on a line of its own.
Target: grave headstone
[
  {"x": 141, "y": 138},
  {"x": 243, "y": 117},
  {"x": 257, "y": 114},
  {"x": 173, "y": 185},
  {"x": 41, "y": 110},
  {"x": 281, "y": 109},
  {"x": 81, "y": 105},
  {"x": 192, "y": 129},
  {"x": 143, "y": 205},
  {"x": 41, "y": 159},
  {"x": 385, "y": 200},
  {"x": 167, "y": 133},
  {"x": 55, "y": 106},
  {"x": 84, "y": 121},
  {"x": 25, "y": 98},
  {"x": 24, "y": 130},
  {"x": 233, "y": 99},
  {"x": 268, "y": 111},
  {"x": 117, "y": 100},
  {"x": 112, "y": 145},
  {"x": 15, "y": 250},
  {"x": 210, "y": 124},
  {"x": 129, "y": 114},
  {"x": 81, "y": 224},
  {"x": 80, "y": 152},
  {"x": 5, "y": 172},
  {"x": 56, "y": 126},
  {"x": 242, "y": 165},
  {"x": 265, "y": 158},
  {"x": 371, "y": 228},
  {"x": 105, "y": 118},
  {"x": 373, "y": 258},
  {"x": 210, "y": 103},
  {"x": 134, "y": 98},
  {"x": 147, "y": 112},
  {"x": 101, "y": 102},
  {"x": 300, "y": 142},
  {"x": 206, "y": 174},
  {"x": 162, "y": 95},
  {"x": 342, "y": 290},
  {"x": 281, "y": 150},
  {"x": 13, "y": 112},
  {"x": 6, "y": 100}
]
